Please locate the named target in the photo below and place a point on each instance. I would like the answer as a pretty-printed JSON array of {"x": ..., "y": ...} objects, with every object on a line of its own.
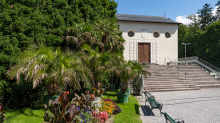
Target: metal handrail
[
  {"x": 209, "y": 64},
  {"x": 188, "y": 58},
  {"x": 182, "y": 70},
  {"x": 202, "y": 61}
]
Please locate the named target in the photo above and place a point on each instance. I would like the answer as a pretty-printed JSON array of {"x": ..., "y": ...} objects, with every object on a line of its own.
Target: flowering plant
[
  {"x": 107, "y": 106},
  {"x": 98, "y": 91},
  {"x": 101, "y": 116},
  {"x": 84, "y": 115}
]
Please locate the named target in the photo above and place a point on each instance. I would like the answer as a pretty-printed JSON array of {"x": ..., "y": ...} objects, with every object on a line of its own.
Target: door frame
[{"x": 150, "y": 42}]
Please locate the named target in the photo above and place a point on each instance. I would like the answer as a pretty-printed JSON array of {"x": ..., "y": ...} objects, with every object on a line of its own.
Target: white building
[{"x": 149, "y": 39}]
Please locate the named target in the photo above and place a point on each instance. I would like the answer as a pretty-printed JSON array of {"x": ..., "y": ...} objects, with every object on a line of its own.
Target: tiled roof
[{"x": 142, "y": 18}]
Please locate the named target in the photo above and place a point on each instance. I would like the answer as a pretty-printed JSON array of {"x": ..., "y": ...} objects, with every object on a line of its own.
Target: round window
[
  {"x": 156, "y": 34},
  {"x": 130, "y": 33},
  {"x": 167, "y": 35}
]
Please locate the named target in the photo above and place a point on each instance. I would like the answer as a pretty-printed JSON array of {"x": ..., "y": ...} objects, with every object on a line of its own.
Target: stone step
[
  {"x": 209, "y": 86},
  {"x": 175, "y": 71},
  {"x": 167, "y": 88},
  {"x": 198, "y": 79},
  {"x": 166, "y": 75},
  {"x": 174, "y": 89},
  {"x": 173, "y": 85},
  {"x": 207, "y": 82},
  {"x": 166, "y": 82},
  {"x": 179, "y": 74},
  {"x": 172, "y": 78}
]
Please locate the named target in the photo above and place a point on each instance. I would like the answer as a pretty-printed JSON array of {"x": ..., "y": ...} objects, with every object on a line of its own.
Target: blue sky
[{"x": 177, "y": 10}]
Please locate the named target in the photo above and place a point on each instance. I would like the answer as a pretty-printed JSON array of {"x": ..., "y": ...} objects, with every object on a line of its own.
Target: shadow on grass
[
  {"x": 147, "y": 111},
  {"x": 28, "y": 111},
  {"x": 137, "y": 109}
]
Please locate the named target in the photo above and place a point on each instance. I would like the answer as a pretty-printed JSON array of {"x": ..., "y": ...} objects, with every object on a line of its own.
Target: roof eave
[{"x": 152, "y": 22}]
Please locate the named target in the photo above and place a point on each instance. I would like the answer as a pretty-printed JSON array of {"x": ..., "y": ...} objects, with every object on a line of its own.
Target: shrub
[
  {"x": 61, "y": 111},
  {"x": 16, "y": 95}
]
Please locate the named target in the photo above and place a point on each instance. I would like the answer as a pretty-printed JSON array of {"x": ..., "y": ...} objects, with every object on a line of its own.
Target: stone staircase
[
  {"x": 169, "y": 78},
  {"x": 163, "y": 78},
  {"x": 202, "y": 78}
]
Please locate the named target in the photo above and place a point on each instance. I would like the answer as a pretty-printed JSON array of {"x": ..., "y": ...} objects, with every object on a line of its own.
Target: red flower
[{"x": 66, "y": 93}]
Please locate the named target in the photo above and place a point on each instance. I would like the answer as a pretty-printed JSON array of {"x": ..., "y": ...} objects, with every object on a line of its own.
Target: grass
[
  {"x": 25, "y": 115},
  {"x": 130, "y": 112}
]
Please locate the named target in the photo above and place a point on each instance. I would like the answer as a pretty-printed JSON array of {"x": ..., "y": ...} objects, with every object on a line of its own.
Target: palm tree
[
  {"x": 129, "y": 70},
  {"x": 96, "y": 62},
  {"x": 78, "y": 34},
  {"x": 108, "y": 32},
  {"x": 39, "y": 63},
  {"x": 114, "y": 63}
]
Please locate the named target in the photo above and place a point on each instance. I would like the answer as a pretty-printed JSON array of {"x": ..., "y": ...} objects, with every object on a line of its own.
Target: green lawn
[
  {"x": 26, "y": 115},
  {"x": 130, "y": 112}
]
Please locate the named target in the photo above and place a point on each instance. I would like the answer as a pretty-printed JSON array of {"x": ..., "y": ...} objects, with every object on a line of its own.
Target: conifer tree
[
  {"x": 205, "y": 15},
  {"x": 218, "y": 9}
]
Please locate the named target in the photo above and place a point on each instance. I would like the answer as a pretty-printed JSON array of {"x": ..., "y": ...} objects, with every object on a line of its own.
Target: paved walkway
[{"x": 197, "y": 106}]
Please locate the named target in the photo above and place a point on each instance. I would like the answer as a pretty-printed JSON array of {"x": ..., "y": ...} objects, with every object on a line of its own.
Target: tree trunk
[
  {"x": 104, "y": 38},
  {"x": 112, "y": 77},
  {"x": 124, "y": 87}
]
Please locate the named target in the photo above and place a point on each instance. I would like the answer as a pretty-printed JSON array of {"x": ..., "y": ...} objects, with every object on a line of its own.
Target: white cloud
[
  {"x": 214, "y": 11},
  {"x": 183, "y": 19}
]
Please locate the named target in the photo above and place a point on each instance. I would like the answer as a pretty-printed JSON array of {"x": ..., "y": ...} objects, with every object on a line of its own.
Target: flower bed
[{"x": 84, "y": 109}]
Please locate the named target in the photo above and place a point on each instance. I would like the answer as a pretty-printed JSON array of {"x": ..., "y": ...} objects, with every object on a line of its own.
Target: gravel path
[{"x": 197, "y": 106}]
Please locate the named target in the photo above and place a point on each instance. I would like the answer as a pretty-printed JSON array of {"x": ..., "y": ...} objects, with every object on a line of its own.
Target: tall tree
[
  {"x": 205, "y": 15},
  {"x": 218, "y": 10}
]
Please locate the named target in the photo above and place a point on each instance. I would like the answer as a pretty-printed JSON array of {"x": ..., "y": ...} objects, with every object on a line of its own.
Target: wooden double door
[{"x": 144, "y": 53}]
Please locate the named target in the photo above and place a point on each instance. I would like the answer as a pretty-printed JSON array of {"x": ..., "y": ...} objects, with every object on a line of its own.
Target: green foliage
[
  {"x": 218, "y": 10},
  {"x": 211, "y": 50},
  {"x": 22, "y": 94},
  {"x": 40, "y": 63},
  {"x": 97, "y": 62},
  {"x": 129, "y": 70},
  {"x": 137, "y": 83},
  {"x": 61, "y": 111},
  {"x": 205, "y": 15},
  {"x": 24, "y": 22},
  {"x": 204, "y": 43}
]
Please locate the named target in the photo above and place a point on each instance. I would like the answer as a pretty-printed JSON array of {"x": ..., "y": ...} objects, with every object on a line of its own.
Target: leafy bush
[
  {"x": 16, "y": 95},
  {"x": 137, "y": 84},
  {"x": 61, "y": 111}
]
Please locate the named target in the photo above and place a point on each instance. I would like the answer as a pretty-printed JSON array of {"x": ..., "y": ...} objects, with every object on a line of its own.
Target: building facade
[{"x": 149, "y": 39}]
